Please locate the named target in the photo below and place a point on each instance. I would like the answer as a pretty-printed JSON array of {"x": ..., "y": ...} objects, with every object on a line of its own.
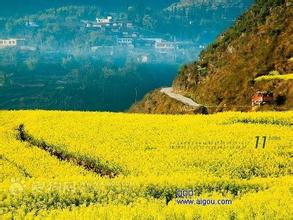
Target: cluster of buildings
[
  {"x": 108, "y": 23},
  {"x": 122, "y": 36},
  {"x": 143, "y": 45},
  {"x": 126, "y": 34}
]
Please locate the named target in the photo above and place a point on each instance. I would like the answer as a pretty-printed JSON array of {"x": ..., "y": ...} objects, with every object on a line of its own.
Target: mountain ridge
[{"x": 23, "y": 7}]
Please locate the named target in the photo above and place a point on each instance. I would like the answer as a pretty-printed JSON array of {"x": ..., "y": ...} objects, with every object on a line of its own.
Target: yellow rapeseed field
[
  {"x": 87, "y": 165},
  {"x": 280, "y": 77}
]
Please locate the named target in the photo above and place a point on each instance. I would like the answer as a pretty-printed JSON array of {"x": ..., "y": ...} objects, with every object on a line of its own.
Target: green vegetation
[
  {"x": 249, "y": 23},
  {"x": 55, "y": 28},
  {"x": 274, "y": 73}
]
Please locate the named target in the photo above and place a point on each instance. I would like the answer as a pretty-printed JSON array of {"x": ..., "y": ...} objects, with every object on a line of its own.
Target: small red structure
[{"x": 261, "y": 98}]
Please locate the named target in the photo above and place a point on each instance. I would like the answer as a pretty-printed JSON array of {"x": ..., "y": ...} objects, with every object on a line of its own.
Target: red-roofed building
[{"x": 261, "y": 98}]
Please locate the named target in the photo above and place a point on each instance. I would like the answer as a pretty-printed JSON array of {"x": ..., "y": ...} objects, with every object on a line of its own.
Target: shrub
[{"x": 274, "y": 73}]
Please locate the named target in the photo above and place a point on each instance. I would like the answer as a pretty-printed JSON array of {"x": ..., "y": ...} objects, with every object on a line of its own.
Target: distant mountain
[
  {"x": 207, "y": 17},
  {"x": 255, "y": 54},
  {"x": 21, "y": 7},
  {"x": 211, "y": 3}
]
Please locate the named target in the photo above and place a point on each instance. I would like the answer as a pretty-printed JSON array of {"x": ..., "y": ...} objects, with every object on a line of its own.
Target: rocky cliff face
[{"x": 228, "y": 72}]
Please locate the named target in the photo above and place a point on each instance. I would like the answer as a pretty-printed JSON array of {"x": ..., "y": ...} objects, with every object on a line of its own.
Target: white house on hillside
[
  {"x": 104, "y": 21},
  {"x": 8, "y": 42}
]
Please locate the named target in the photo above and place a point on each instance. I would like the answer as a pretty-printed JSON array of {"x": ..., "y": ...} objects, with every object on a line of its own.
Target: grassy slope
[{"x": 159, "y": 103}]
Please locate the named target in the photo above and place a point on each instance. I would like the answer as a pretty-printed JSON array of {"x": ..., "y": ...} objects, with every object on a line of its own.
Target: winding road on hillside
[{"x": 187, "y": 101}]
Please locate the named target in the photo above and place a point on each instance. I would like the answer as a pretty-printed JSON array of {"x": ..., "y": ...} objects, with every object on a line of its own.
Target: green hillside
[{"x": 258, "y": 44}]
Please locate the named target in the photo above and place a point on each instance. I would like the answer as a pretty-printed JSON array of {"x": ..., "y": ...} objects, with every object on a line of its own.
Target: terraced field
[{"x": 82, "y": 165}]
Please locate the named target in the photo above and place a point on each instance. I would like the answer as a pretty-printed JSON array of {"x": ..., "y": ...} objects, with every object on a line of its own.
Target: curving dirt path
[
  {"x": 87, "y": 163},
  {"x": 187, "y": 101}
]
